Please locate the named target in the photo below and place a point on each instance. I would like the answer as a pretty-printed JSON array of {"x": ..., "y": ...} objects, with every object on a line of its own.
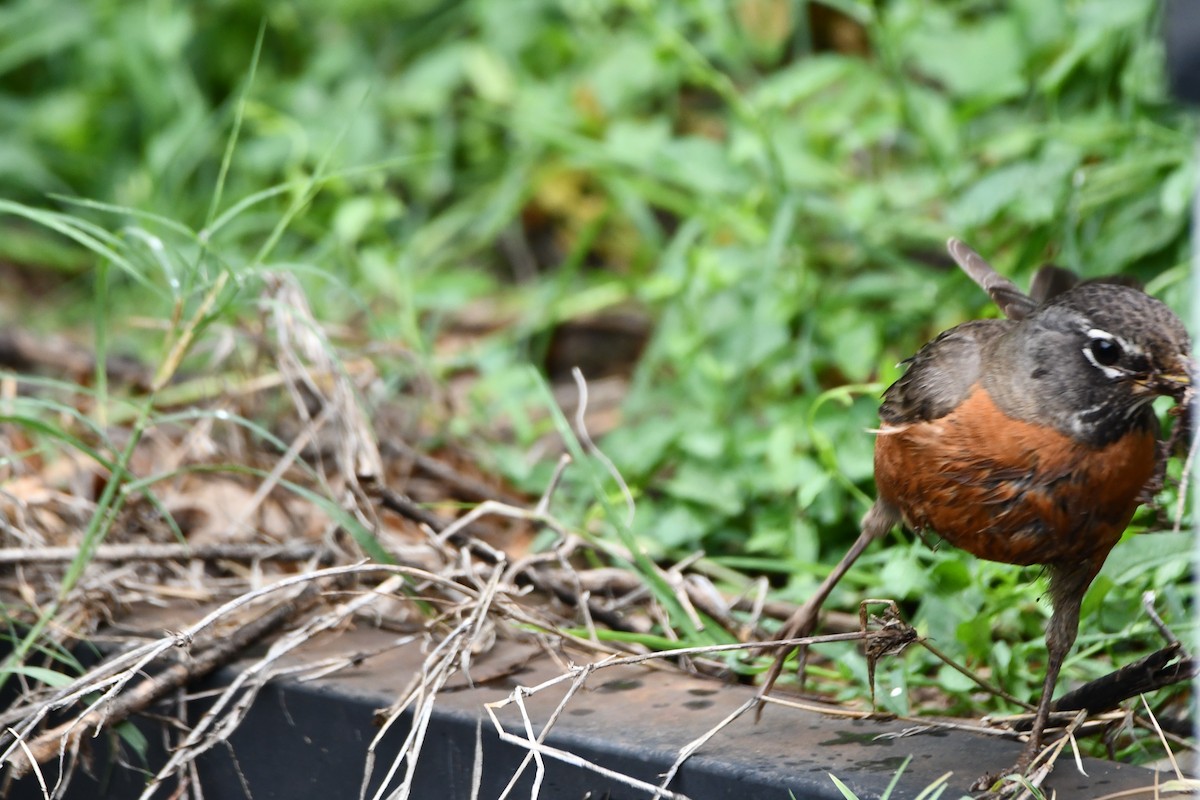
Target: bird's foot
[
  {"x": 1011, "y": 785},
  {"x": 1023, "y": 781}
]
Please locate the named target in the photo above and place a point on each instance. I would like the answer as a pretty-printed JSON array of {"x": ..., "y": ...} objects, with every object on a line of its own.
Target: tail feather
[{"x": 1012, "y": 302}]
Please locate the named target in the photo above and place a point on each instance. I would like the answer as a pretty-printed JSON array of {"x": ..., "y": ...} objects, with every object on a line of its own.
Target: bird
[{"x": 1025, "y": 440}]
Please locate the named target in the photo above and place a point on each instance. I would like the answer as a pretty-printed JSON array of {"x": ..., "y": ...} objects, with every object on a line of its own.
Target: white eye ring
[{"x": 1103, "y": 351}]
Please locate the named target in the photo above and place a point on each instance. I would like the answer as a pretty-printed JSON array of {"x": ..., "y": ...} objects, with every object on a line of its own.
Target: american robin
[{"x": 1026, "y": 440}]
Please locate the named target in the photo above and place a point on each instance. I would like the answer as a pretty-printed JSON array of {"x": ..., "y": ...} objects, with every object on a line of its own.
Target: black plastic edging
[{"x": 308, "y": 741}]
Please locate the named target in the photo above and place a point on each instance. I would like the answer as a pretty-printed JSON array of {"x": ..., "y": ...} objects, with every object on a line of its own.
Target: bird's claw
[{"x": 1019, "y": 783}]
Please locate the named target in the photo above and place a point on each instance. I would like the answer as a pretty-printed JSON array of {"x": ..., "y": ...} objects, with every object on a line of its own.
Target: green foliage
[
  {"x": 930, "y": 792},
  {"x": 777, "y": 206}
]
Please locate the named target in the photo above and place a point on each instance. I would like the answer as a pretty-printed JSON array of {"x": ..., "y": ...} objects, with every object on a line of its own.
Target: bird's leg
[
  {"x": 1057, "y": 650},
  {"x": 877, "y": 522},
  {"x": 1067, "y": 587}
]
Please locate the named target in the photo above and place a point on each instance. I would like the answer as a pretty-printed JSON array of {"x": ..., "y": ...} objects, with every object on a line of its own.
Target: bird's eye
[{"x": 1106, "y": 351}]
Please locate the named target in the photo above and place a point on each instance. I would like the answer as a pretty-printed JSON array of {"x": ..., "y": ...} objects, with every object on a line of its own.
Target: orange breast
[{"x": 1009, "y": 491}]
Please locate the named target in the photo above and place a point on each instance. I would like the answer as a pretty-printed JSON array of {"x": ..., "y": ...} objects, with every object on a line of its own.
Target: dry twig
[
  {"x": 125, "y": 553},
  {"x": 152, "y": 688}
]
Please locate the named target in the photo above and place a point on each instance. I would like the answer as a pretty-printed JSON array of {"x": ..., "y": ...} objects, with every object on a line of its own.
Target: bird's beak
[
  {"x": 1185, "y": 375},
  {"x": 1169, "y": 382},
  {"x": 1174, "y": 383}
]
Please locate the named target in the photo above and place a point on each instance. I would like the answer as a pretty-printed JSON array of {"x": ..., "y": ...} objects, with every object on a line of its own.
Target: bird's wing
[{"x": 941, "y": 374}]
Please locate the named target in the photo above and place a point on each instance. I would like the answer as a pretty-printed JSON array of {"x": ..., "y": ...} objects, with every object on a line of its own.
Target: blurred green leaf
[
  {"x": 979, "y": 61},
  {"x": 709, "y": 486},
  {"x": 1032, "y": 191},
  {"x": 49, "y": 677}
]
